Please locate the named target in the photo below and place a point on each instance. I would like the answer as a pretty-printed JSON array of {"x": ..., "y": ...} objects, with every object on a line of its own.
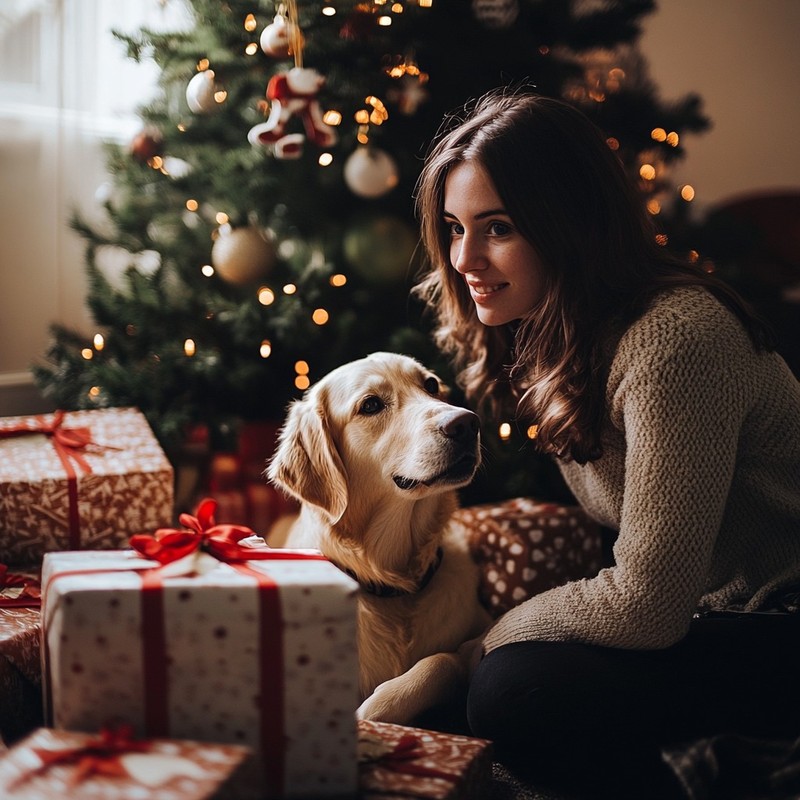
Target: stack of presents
[{"x": 136, "y": 666}]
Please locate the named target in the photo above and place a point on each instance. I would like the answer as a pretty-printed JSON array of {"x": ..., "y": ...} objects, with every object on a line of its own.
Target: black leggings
[{"x": 561, "y": 708}]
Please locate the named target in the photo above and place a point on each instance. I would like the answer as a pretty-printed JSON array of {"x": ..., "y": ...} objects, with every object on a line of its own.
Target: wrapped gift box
[
  {"x": 262, "y": 653},
  {"x": 524, "y": 547},
  {"x": 90, "y": 480},
  {"x": 402, "y": 763},
  {"x": 20, "y": 666},
  {"x": 46, "y": 764}
]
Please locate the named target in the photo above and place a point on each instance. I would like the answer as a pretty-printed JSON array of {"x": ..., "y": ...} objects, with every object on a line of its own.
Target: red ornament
[{"x": 146, "y": 144}]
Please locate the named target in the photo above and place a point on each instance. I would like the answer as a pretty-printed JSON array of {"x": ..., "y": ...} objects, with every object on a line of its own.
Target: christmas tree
[{"x": 264, "y": 214}]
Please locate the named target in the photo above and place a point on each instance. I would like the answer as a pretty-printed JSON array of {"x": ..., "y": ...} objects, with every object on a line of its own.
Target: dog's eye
[
  {"x": 371, "y": 405},
  {"x": 432, "y": 386}
]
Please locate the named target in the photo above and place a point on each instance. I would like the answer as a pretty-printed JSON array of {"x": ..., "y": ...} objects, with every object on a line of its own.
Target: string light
[
  {"x": 687, "y": 193},
  {"x": 266, "y": 348},
  {"x": 658, "y": 134},
  {"x": 673, "y": 139},
  {"x": 94, "y": 392},
  {"x": 338, "y": 279},
  {"x": 647, "y": 171},
  {"x": 302, "y": 382},
  {"x": 504, "y": 431},
  {"x": 99, "y": 342},
  {"x": 251, "y": 49},
  {"x": 221, "y": 218},
  {"x": 662, "y": 239},
  {"x": 290, "y": 288},
  {"x": 653, "y": 206},
  {"x": 533, "y": 431},
  {"x": 250, "y": 22},
  {"x": 320, "y": 316},
  {"x": 332, "y": 117},
  {"x": 87, "y": 353},
  {"x": 325, "y": 159},
  {"x": 207, "y": 270},
  {"x": 301, "y": 367},
  {"x": 266, "y": 296},
  {"x": 192, "y": 205},
  {"x": 189, "y": 347},
  {"x": 328, "y": 11}
]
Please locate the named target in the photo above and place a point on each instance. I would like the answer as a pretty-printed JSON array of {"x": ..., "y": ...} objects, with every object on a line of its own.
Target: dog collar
[{"x": 386, "y": 590}]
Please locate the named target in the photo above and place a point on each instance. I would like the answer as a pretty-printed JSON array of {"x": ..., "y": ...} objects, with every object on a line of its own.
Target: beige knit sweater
[{"x": 700, "y": 475}]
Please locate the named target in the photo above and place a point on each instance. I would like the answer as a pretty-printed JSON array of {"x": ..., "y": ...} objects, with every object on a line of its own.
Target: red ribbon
[
  {"x": 99, "y": 756},
  {"x": 68, "y": 444},
  {"x": 29, "y": 597},
  {"x": 221, "y": 541},
  {"x": 403, "y": 757}
]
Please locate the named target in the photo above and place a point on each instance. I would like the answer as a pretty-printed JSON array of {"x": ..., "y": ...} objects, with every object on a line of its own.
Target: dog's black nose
[{"x": 460, "y": 425}]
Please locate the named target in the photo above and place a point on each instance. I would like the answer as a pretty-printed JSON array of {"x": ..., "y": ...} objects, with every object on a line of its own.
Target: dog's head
[{"x": 376, "y": 427}]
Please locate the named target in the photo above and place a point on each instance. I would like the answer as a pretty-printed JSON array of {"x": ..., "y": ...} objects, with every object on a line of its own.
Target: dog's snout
[{"x": 460, "y": 425}]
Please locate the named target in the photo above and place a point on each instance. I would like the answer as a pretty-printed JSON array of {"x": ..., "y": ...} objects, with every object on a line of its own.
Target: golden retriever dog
[{"x": 375, "y": 454}]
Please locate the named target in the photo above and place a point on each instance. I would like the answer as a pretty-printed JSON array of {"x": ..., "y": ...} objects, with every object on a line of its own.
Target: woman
[{"x": 670, "y": 417}]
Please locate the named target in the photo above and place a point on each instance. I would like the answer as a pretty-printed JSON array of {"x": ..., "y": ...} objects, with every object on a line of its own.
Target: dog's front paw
[{"x": 385, "y": 704}]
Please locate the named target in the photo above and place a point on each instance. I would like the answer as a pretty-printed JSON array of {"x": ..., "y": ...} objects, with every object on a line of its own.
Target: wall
[{"x": 740, "y": 56}]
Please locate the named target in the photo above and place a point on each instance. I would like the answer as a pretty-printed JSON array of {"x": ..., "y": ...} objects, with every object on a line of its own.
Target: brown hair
[{"x": 567, "y": 193}]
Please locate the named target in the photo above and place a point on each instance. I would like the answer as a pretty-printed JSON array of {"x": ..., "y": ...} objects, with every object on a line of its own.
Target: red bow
[
  {"x": 99, "y": 756},
  {"x": 221, "y": 541},
  {"x": 67, "y": 441},
  {"x": 30, "y": 594},
  {"x": 403, "y": 759}
]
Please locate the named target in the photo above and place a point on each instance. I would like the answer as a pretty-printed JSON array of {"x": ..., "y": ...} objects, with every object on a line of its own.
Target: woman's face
[{"x": 504, "y": 274}]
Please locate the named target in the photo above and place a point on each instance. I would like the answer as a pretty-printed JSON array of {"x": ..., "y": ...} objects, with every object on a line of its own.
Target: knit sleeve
[{"x": 678, "y": 395}]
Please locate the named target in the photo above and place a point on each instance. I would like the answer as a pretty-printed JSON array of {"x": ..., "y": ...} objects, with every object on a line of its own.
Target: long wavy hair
[{"x": 569, "y": 196}]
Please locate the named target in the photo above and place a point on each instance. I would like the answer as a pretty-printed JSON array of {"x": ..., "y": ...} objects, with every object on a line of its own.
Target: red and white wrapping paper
[
  {"x": 404, "y": 763},
  {"x": 102, "y": 479},
  {"x": 267, "y": 659},
  {"x": 164, "y": 769}
]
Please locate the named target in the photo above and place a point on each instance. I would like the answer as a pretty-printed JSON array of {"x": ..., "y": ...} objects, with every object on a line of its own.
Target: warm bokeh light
[
  {"x": 325, "y": 159},
  {"x": 320, "y": 316},
  {"x": 647, "y": 171},
  {"x": 328, "y": 11},
  {"x": 290, "y": 288},
  {"x": 533, "y": 431},
  {"x": 662, "y": 239},
  {"x": 302, "y": 382},
  {"x": 222, "y": 218},
  {"x": 687, "y": 193},
  {"x": 653, "y": 206},
  {"x": 250, "y": 22},
  {"x": 332, "y": 117},
  {"x": 301, "y": 367},
  {"x": 266, "y": 348},
  {"x": 207, "y": 270},
  {"x": 266, "y": 296},
  {"x": 99, "y": 342},
  {"x": 338, "y": 279},
  {"x": 189, "y": 347},
  {"x": 87, "y": 353},
  {"x": 192, "y": 205},
  {"x": 504, "y": 430},
  {"x": 673, "y": 139},
  {"x": 251, "y": 49},
  {"x": 658, "y": 134},
  {"x": 94, "y": 392}
]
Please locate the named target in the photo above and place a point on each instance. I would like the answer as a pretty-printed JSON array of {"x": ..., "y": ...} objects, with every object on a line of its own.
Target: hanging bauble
[
  {"x": 380, "y": 248},
  {"x": 242, "y": 255},
  {"x": 496, "y": 14},
  {"x": 281, "y": 37},
  {"x": 201, "y": 93},
  {"x": 370, "y": 172},
  {"x": 293, "y": 94},
  {"x": 147, "y": 144}
]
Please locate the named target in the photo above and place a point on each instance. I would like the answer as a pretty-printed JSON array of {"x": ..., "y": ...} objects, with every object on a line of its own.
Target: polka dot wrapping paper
[
  {"x": 402, "y": 763},
  {"x": 524, "y": 547},
  {"x": 110, "y": 479},
  {"x": 269, "y": 662},
  {"x": 163, "y": 769}
]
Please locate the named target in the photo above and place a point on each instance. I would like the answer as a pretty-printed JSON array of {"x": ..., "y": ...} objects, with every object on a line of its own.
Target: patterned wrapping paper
[
  {"x": 524, "y": 547},
  {"x": 400, "y": 763},
  {"x": 129, "y": 489},
  {"x": 222, "y": 680},
  {"x": 20, "y": 666},
  {"x": 166, "y": 769}
]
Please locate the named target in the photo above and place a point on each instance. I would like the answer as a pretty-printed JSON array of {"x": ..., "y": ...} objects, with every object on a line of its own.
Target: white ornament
[
  {"x": 370, "y": 172},
  {"x": 200, "y": 93},
  {"x": 496, "y": 14},
  {"x": 276, "y": 38}
]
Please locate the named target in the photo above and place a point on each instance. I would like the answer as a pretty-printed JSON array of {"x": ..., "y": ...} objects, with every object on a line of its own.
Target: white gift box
[{"x": 262, "y": 654}]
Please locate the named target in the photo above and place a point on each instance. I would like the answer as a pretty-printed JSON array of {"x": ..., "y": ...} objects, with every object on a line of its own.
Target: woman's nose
[{"x": 467, "y": 256}]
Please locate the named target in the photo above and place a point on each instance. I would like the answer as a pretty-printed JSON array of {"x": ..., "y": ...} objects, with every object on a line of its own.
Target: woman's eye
[
  {"x": 500, "y": 228},
  {"x": 455, "y": 228},
  {"x": 371, "y": 405},
  {"x": 431, "y": 386}
]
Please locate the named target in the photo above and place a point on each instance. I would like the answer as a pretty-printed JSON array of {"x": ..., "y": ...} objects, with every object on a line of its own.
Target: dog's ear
[{"x": 306, "y": 463}]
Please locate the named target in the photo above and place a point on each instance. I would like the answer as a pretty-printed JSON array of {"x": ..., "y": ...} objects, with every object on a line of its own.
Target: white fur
[{"x": 341, "y": 463}]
